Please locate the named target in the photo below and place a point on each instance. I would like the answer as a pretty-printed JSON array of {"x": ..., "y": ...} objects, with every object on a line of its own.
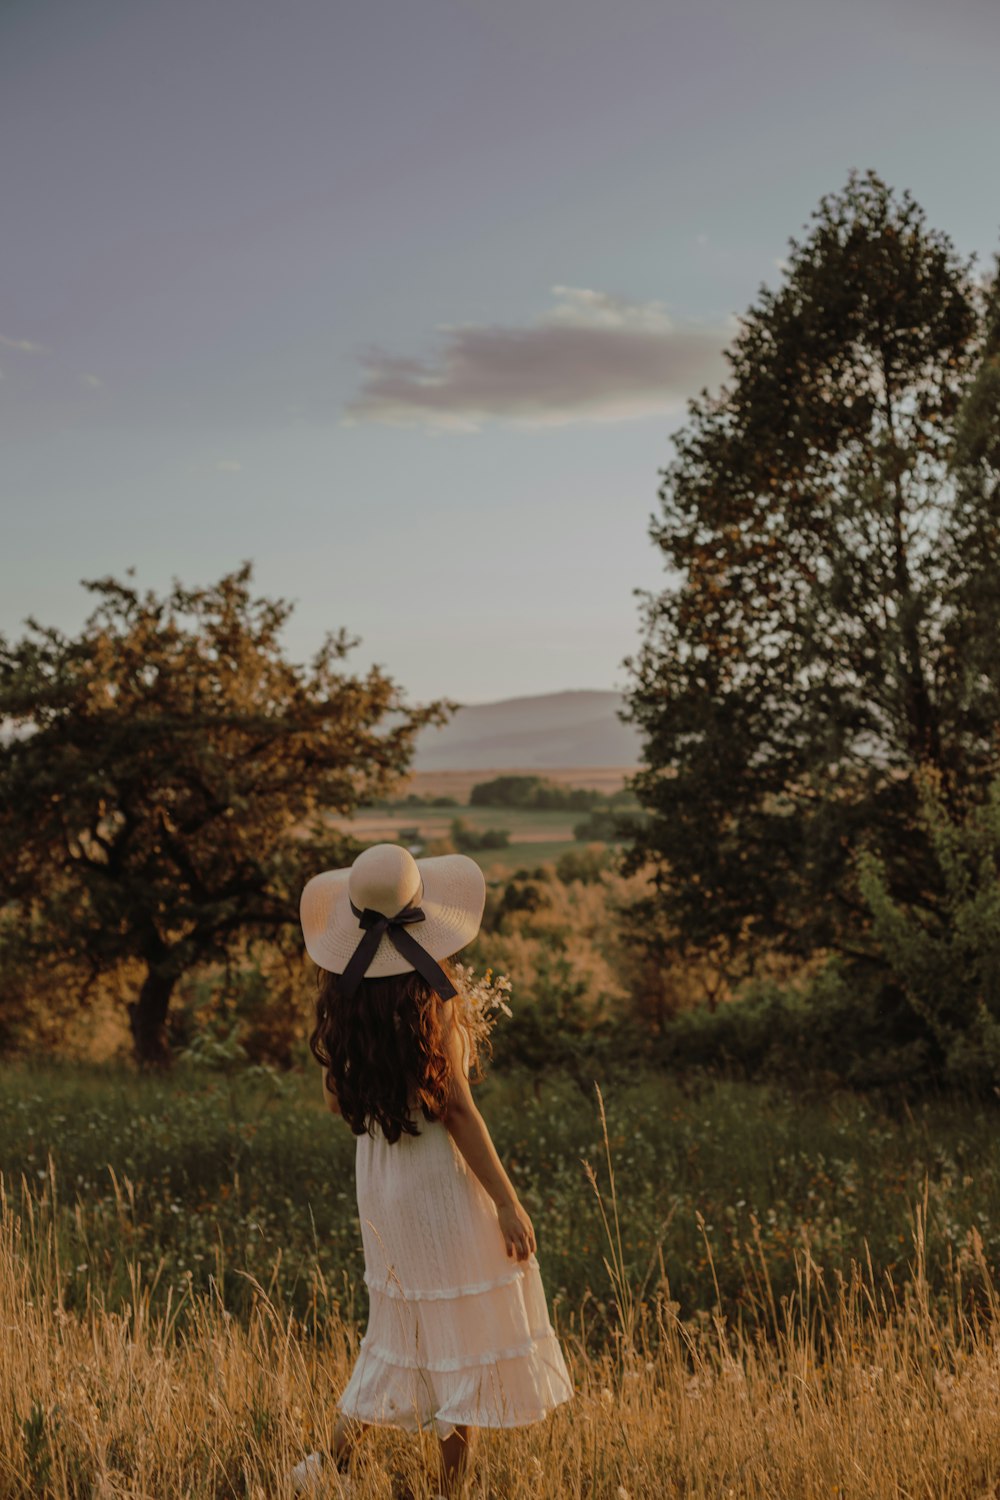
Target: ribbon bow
[{"x": 376, "y": 924}]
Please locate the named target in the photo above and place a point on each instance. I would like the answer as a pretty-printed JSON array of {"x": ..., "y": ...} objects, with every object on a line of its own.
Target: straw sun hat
[{"x": 388, "y": 913}]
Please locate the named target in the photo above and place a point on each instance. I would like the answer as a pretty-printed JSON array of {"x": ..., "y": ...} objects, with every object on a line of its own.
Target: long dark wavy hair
[{"x": 376, "y": 1046}]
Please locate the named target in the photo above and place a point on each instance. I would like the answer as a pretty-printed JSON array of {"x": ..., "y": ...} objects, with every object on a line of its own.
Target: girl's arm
[{"x": 467, "y": 1129}]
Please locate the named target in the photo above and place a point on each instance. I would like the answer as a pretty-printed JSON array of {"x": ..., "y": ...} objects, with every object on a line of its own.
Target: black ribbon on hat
[{"x": 377, "y": 925}]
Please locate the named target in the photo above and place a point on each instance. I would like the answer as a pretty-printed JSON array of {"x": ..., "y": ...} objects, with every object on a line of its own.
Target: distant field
[
  {"x": 535, "y": 836},
  {"x": 460, "y": 783},
  {"x": 524, "y": 826}
]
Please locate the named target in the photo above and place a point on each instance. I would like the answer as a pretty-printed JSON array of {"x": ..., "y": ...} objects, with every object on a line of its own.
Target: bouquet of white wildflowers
[{"x": 479, "y": 1001}]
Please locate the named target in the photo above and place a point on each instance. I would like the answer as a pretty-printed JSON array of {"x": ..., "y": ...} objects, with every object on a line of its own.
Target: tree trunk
[
  {"x": 148, "y": 1016},
  {"x": 924, "y": 737}
]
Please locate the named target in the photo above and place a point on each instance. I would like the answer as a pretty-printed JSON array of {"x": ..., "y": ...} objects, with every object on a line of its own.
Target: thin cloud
[
  {"x": 229, "y": 466},
  {"x": 588, "y": 309},
  {"x": 93, "y": 381},
  {"x": 26, "y": 346},
  {"x": 592, "y": 357}
]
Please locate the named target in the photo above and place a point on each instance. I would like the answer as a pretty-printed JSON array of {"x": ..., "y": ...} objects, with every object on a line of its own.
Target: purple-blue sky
[{"x": 403, "y": 299}]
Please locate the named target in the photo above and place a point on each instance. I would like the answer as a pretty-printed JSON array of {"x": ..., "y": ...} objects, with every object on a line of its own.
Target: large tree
[
  {"x": 165, "y": 779},
  {"x": 831, "y": 528}
]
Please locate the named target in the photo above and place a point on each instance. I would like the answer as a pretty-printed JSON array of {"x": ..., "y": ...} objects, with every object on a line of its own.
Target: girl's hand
[{"x": 517, "y": 1231}]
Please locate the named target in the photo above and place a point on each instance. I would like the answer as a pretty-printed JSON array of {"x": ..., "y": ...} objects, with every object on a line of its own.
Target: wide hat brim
[{"x": 453, "y": 901}]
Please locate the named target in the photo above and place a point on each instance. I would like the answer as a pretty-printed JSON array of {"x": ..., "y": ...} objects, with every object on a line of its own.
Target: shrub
[
  {"x": 942, "y": 949},
  {"x": 258, "y": 1002},
  {"x": 839, "y": 1027},
  {"x": 468, "y": 840},
  {"x": 533, "y": 792},
  {"x": 606, "y": 826},
  {"x": 560, "y": 1029},
  {"x": 586, "y": 865}
]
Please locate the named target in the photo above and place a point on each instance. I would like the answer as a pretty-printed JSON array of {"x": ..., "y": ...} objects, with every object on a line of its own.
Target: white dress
[{"x": 458, "y": 1331}]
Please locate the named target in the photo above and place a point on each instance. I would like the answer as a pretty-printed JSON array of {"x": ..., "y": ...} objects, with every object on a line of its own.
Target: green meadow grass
[
  {"x": 522, "y": 856},
  {"x": 202, "y": 1177}
]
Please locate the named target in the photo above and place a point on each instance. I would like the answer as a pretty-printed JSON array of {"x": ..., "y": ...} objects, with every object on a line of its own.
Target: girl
[{"x": 458, "y": 1331}]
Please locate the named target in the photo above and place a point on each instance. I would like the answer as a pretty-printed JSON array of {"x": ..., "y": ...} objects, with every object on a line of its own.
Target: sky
[{"x": 403, "y": 300}]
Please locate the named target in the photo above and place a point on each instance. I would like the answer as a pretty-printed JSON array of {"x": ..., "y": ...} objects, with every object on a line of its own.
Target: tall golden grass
[{"x": 851, "y": 1391}]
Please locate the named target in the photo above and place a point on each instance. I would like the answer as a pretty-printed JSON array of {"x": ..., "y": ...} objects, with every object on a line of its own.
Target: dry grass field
[{"x": 843, "y": 1389}]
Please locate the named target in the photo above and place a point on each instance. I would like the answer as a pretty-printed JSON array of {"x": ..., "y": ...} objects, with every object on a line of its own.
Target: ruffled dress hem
[
  {"x": 445, "y": 1425},
  {"x": 447, "y": 1366},
  {"x": 512, "y": 1388}
]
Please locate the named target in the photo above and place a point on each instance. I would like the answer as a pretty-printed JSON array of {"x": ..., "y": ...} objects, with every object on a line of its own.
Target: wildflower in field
[{"x": 479, "y": 1000}]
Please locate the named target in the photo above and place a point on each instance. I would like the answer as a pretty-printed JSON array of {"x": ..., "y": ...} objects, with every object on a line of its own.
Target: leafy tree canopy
[
  {"x": 165, "y": 776},
  {"x": 830, "y": 526}
]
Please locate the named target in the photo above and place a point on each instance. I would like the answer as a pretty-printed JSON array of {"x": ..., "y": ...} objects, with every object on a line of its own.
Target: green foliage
[
  {"x": 418, "y": 799},
  {"x": 842, "y": 1028},
  {"x": 533, "y": 792},
  {"x": 469, "y": 840},
  {"x": 946, "y": 959},
  {"x": 259, "y": 1000},
  {"x": 37, "y": 1444},
  {"x": 525, "y": 893},
  {"x": 411, "y": 800},
  {"x": 559, "y": 1031},
  {"x": 163, "y": 798},
  {"x": 605, "y": 825},
  {"x": 161, "y": 1170},
  {"x": 829, "y": 526},
  {"x": 19, "y": 977},
  {"x": 586, "y": 865}
]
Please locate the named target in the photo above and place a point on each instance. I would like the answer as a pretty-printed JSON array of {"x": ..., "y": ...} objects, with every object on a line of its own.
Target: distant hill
[{"x": 532, "y": 734}]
